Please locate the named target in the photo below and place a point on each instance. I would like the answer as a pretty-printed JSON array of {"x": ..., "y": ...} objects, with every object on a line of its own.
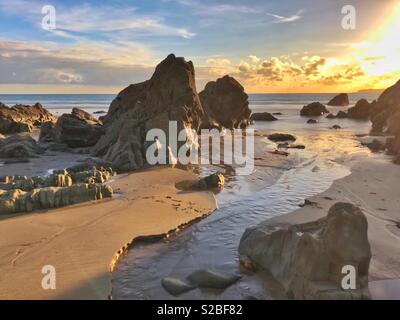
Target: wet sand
[{"x": 81, "y": 241}]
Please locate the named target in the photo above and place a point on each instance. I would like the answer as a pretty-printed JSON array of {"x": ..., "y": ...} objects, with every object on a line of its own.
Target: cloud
[
  {"x": 254, "y": 58},
  {"x": 218, "y": 62},
  {"x": 283, "y": 19}
]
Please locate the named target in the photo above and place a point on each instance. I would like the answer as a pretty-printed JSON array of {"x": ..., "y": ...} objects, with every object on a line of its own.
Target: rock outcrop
[
  {"x": 279, "y": 137},
  {"x": 16, "y": 200},
  {"x": 341, "y": 100},
  {"x": 314, "y": 109},
  {"x": 308, "y": 259},
  {"x": 360, "y": 111},
  {"x": 77, "y": 130},
  {"x": 263, "y": 116},
  {"x": 22, "y": 118},
  {"x": 213, "y": 181},
  {"x": 225, "y": 104},
  {"x": 170, "y": 95},
  {"x": 19, "y": 148},
  {"x": 385, "y": 116}
]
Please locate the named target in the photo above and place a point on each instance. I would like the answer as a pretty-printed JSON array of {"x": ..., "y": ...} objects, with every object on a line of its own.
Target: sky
[{"x": 270, "y": 46}]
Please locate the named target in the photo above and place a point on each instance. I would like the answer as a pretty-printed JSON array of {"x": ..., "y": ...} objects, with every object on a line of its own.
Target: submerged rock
[
  {"x": 263, "y": 116},
  {"x": 341, "y": 100},
  {"x": 210, "y": 279},
  {"x": 307, "y": 259},
  {"x": 22, "y": 118},
  {"x": 314, "y": 109},
  {"x": 278, "y": 137},
  {"x": 176, "y": 286}
]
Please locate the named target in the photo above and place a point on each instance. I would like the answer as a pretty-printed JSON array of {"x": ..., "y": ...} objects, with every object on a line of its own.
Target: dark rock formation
[
  {"x": 170, "y": 95},
  {"x": 263, "y": 116},
  {"x": 213, "y": 181},
  {"x": 21, "y": 118},
  {"x": 312, "y": 121},
  {"x": 77, "y": 130},
  {"x": 385, "y": 116},
  {"x": 19, "y": 147},
  {"x": 361, "y": 110},
  {"x": 375, "y": 145},
  {"x": 279, "y": 137},
  {"x": 225, "y": 104},
  {"x": 341, "y": 100},
  {"x": 330, "y": 116},
  {"x": 314, "y": 109},
  {"x": 308, "y": 259},
  {"x": 176, "y": 286},
  {"x": 336, "y": 127},
  {"x": 204, "y": 278}
]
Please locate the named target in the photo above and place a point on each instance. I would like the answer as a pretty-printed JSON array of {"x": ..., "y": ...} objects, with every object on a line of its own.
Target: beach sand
[
  {"x": 373, "y": 186},
  {"x": 80, "y": 241}
]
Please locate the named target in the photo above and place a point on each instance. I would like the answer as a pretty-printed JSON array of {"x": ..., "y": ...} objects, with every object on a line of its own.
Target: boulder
[
  {"x": 336, "y": 127},
  {"x": 213, "y": 181},
  {"x": 314, "y": 109},
  {"x": 22, "y": 118},
  {"x": 279, "y": 137},
  {"x": 263, "y": 116},
  {"x": 361, "y": 110},
  {"x": 18, "y": 182},
  {"x": 308, "y": 259},
  {"x": 341, "y": 100},
  {"x": 77, "y": 130},
  {"x": 341, "y": 115},
  {"x": 16, "y": 200},
  {"x": 312, "y": 121},
  {"x": 204, "y": 278},
  {"x": 176, "y": 286},
  {"x": 225, "y": 104},
  {"x": 19, "y": 147},
  {"x": 330, "y": 116}
]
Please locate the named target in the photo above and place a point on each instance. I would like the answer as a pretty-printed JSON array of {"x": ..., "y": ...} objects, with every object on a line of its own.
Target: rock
[
  {"x": 307, "y": 259},
  {"x": 225, "y": 104},
  {"x": 170, "y": 95},
  {"x": 277, "y": 114},
  {"x": 341, "y": 100},
  {"x": 20, "y": 147},
  {"x": 278, "y": 137},
  {"x": 213, "y": 181},
  {"x": 100, "y": 112},
  {"x": 17, "y": 182},
  {"x": 16, "y": 200},
  {"x": 341, "y": 115},
  {"x": 308, "y": 203},
  {"x": 361, "y": 110},
  {"x": 22, "y": 118},
  {"x": 296, "y": 146},
  {"x": 211, "y": 279},
  {"x": 312, "y": 121},
  {"x": 263, "y": 116},
  {"x": 175, "y": 286},
  {"x": 58, "y": 180},
  {"x": 314, "y": 109},
  {"x": 280, "y": 153},
  {"x": 330, "y": 116},
  {"x": 336, "y": 127},
  {"x": 78, "y": 129},
  {"x": 376, "y": 145}
]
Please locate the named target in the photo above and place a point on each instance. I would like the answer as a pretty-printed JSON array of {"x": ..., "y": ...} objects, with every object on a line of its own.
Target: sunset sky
[{"x": 269, "y": 46}]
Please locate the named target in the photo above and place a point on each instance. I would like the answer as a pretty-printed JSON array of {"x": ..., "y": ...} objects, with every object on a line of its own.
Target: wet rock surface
[
  {"x": 262, "y": 116},
  {"x": 307, "y": 259},
  {"x": 19, "y": 148},
  {"x": 278, "y": 137}
]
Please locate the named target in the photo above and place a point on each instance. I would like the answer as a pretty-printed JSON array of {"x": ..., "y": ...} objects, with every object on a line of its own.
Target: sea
[{"x": 274, "y": 188}]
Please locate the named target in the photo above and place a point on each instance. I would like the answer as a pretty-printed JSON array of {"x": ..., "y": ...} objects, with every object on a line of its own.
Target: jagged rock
[
  {"x": 341, "y": 100},
  {"x": 262, "y": 116},
  {"x": 278, "y": 137},
  {"x": 22, "y": 118},
  {"x": 16, "y": 200},
  {"x": 59, "y": 180},
  {"x": 312, "y": 121},
  {"x": 19, "y": 147},
  {"x": 361, "y": 110},
  {"x": 18, "y": 182},
  {"x": 211, "y": 279},
  {"x": 176, "y": 286},
  {"x": 215, "y": 180},
  {"x": 341, "y": 115},
  {"x": 225, "y": 104},
  {"x": 307, "y": 259},
  {"x": 77, "y": 130},
  {"x": 314, "y": 109}
]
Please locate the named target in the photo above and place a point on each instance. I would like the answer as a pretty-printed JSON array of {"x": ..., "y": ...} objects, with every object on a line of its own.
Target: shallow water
[{"x": 245, "y": 202}]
